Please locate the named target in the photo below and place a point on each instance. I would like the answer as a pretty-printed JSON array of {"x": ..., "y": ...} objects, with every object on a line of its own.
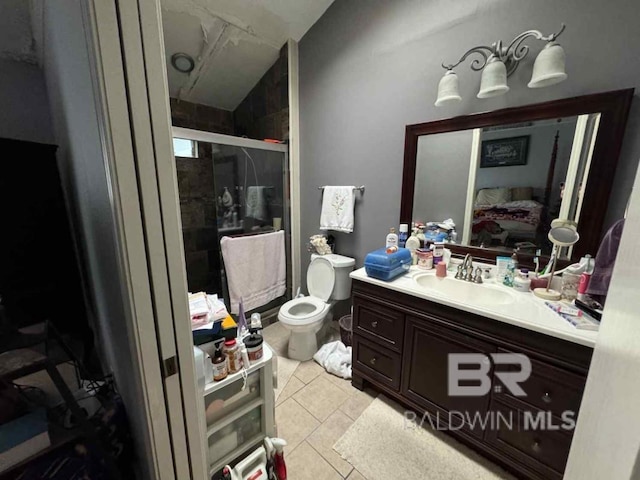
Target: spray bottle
[{"x": 278, "y": 458}]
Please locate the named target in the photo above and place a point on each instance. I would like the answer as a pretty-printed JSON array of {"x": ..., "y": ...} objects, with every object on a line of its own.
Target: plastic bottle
[
  {"x": 392, "y": 238},
  {"x": 278, "y": 459},
  {"x": 413, "y": 244},
  {"x": 403, "y": 235},
  {"x": 453, "y": 236},
  {"x": 234, "y": 357},
  {"x": 219, "y": 361}
]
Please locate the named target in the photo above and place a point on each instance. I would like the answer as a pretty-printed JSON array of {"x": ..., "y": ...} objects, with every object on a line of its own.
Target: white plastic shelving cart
[{"x": 237, "y": 419}]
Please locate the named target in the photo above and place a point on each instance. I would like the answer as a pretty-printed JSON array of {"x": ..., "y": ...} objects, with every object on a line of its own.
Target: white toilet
[{"x": 328, "y": 281}]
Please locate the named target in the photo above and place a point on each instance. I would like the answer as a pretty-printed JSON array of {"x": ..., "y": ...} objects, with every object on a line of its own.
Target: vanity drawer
[
  {"x": 378, "y": 323},
  {"x": 549, "y": 388},
  {"x": 376, "y": 362},
  {"x": 543, "y": 450}
]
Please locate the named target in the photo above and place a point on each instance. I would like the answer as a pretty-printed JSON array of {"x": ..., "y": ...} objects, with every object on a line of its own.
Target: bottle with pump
[
  {"x": 392, "y": 238},
  {"x": 412, "y": 245},
  {"x": 403, "y": 235}
]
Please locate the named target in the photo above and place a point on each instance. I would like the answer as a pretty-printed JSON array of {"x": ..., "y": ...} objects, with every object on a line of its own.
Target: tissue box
[{"x": 387, "y": 266}]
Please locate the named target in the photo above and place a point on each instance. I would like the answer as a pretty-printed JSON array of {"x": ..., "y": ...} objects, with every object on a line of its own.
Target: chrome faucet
[{"x": 467, "y": 268}]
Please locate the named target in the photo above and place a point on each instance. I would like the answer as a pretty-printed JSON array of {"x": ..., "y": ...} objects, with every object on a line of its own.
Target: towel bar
[{"x": 355, "y": 188}]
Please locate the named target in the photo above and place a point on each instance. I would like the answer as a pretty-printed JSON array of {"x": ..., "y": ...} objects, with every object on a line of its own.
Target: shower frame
[{"x": 291, "y": 240}]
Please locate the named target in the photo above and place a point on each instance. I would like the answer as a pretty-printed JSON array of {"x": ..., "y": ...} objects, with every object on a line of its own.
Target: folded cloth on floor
[
  {"x": 257, "y": 203},
  {"x": 337, "y": 209},
  {"x": 335, "y": 357},
  {"x": 255, "y": 268}
]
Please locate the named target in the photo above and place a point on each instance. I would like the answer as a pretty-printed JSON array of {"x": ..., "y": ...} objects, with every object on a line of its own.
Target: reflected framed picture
[{"x": 504, "y": 152}]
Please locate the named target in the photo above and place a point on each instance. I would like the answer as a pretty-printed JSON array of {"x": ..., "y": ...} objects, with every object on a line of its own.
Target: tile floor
[{"x": 313, "y": 411}]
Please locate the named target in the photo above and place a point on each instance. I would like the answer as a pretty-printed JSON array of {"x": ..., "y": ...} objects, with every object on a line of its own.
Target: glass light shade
[
  {"x": 548, "y": 69},
  {"x": 494, "y": 79},
  {"x": 448, "y": 89}
]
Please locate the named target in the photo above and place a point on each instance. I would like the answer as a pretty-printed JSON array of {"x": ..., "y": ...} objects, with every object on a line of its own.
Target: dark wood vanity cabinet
[{"x": 401, "y": 346}]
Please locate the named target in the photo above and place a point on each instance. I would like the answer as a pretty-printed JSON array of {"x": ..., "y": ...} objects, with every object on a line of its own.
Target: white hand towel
[
  {"x": 256, "y": 269},
  {"x": 337, "y": 209}
]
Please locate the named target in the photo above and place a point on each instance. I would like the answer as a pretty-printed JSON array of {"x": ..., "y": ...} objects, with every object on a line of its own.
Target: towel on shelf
[
  {"x": 337, "y": 209},
  {"x": 257, "y": 202},
  {"x": 256, "y": 269}
]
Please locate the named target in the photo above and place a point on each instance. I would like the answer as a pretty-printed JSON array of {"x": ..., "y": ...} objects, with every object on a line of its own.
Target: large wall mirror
[{"x": 503, "y": 176}]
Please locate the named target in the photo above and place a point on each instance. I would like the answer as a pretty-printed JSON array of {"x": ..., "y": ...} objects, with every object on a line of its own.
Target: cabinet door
[{"x": 426, "y": 374}]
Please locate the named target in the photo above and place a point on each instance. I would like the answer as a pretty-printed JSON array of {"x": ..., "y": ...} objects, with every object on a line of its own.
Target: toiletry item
[
  {"x": 242, "y": 320},
  {"x": 522, "y": 282},
  {"x": 453, "y": 236},
  {"x": 536, "y": 261},
  {"x": 585, "y": 278},
  {"x": 245, "y": 356},
  {"x": 413, "y": 244},
  {"x": 441, "y": 270},
  {"x": 392, "y": 249},
  {"x": 564, "y": 308},
  {"x": 392, "y": 238},
  {"x": 425, "y": 259},
  {"x": 580, "y": 322},
  {"x": 403, "y": 235},
  {"x": 219, "y": 361},
  {"x": 570, "y": 282},
  {"x": 438, "y": 252},
  {"x": 234, "y": 358},
  {"x": 254, "y": 347},
  {"x": 421, "y": 235},
  {"x": 501, "y": 264},
  {"x": 256, "y": 322}
]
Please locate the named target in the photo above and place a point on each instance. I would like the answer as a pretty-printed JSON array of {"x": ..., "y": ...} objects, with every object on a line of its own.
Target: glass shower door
[{"x": 228, "y": 186}]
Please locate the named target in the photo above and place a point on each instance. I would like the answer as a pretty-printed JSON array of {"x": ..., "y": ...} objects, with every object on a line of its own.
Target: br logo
[{"x": 459, "y": 379}]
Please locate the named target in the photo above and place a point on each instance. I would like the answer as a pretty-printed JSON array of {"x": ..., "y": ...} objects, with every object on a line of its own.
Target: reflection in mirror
[{"x": 502, "y": 185}]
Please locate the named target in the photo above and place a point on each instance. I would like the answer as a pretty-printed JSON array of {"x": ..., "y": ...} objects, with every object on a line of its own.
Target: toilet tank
[{"x": 342, "y": 266}]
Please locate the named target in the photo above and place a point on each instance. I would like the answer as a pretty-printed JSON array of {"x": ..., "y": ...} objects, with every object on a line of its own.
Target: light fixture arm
[{"x": 511, "y": 56}]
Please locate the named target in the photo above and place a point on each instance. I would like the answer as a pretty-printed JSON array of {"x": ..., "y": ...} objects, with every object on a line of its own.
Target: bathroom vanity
[{"x": 404, "y": 331}]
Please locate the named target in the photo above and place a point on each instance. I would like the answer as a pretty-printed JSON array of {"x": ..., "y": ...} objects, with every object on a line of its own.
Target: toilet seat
[{"x": 311, "y": 310}]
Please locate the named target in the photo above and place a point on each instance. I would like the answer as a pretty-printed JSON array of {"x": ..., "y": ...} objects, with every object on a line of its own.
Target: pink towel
[{"x": 256, "y": 269}]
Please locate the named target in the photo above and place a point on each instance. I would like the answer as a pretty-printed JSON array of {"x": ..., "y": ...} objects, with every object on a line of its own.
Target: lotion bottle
[
  {"x": 413, "y": 244},
  {"x": 392, "y": 238}
]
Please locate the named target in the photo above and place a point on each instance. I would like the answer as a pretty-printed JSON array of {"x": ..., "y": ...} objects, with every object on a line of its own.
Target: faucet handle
[
  {"x": 459, "y": 273},
  {"x": 478, "y": 276}
]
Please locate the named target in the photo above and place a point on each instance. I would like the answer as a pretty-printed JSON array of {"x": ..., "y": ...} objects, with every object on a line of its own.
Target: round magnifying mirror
[{"x": 563, "y": 233}]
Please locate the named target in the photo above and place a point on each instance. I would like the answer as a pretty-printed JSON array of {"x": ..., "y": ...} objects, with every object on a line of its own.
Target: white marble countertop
[{"x": 528, "y": 311}]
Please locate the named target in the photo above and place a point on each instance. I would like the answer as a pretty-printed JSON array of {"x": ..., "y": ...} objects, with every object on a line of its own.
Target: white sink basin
[{"x": 465, "y": 292}]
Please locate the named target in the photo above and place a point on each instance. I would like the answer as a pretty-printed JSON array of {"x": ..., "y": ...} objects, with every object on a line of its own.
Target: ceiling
[
  {"x": 233, "y": 43},
  {"x": 16, "y": 40}
]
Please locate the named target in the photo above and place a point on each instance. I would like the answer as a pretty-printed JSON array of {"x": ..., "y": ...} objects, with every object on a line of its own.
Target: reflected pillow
[
  {"x": 521, "y": 193},
  {"x": 492, "y": 196}
]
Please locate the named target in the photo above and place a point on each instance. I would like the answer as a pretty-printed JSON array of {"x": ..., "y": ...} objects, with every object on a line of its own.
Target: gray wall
[
  {"x": 84, "y": 176},
  {"x": 23, "y": 103},
  {"x": 370, "y": 67},
  {"x": 442, "y": 174}
]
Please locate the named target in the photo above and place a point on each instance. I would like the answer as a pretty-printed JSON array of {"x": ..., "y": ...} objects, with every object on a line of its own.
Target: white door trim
[
  {"x": 294, "y": 163},
  {"x": 103, "y": 33}
]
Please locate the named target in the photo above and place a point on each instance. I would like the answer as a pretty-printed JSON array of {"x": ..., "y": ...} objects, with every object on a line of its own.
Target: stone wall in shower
[{"x": 198, "y": 211}]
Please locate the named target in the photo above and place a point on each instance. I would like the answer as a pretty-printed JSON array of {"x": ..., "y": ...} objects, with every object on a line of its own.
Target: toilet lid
[{"x": 320, "y": 279}]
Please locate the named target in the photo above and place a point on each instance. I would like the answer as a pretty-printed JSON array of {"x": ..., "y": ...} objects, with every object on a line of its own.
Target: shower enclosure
[{"x": 228, "y": 186}]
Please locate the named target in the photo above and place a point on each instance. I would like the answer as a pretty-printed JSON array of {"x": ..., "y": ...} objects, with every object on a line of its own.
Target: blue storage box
[{"x": 387, "y": 266}]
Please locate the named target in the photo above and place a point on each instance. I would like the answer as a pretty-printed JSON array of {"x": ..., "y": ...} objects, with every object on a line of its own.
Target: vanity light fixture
[{"x": 498, "y": 62}]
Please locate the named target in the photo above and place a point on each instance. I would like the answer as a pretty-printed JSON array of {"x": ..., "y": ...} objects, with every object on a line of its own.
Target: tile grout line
[{"x": 328, "y": 462}]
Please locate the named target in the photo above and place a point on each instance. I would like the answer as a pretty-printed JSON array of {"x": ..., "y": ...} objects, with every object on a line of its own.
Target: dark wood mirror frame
[{"x": 614, "y": 109}]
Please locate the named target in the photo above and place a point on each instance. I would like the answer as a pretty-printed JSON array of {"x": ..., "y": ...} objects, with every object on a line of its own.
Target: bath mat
[
  {"x": 380, "y": 447},
  {"x": 286, "y": 367}
]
